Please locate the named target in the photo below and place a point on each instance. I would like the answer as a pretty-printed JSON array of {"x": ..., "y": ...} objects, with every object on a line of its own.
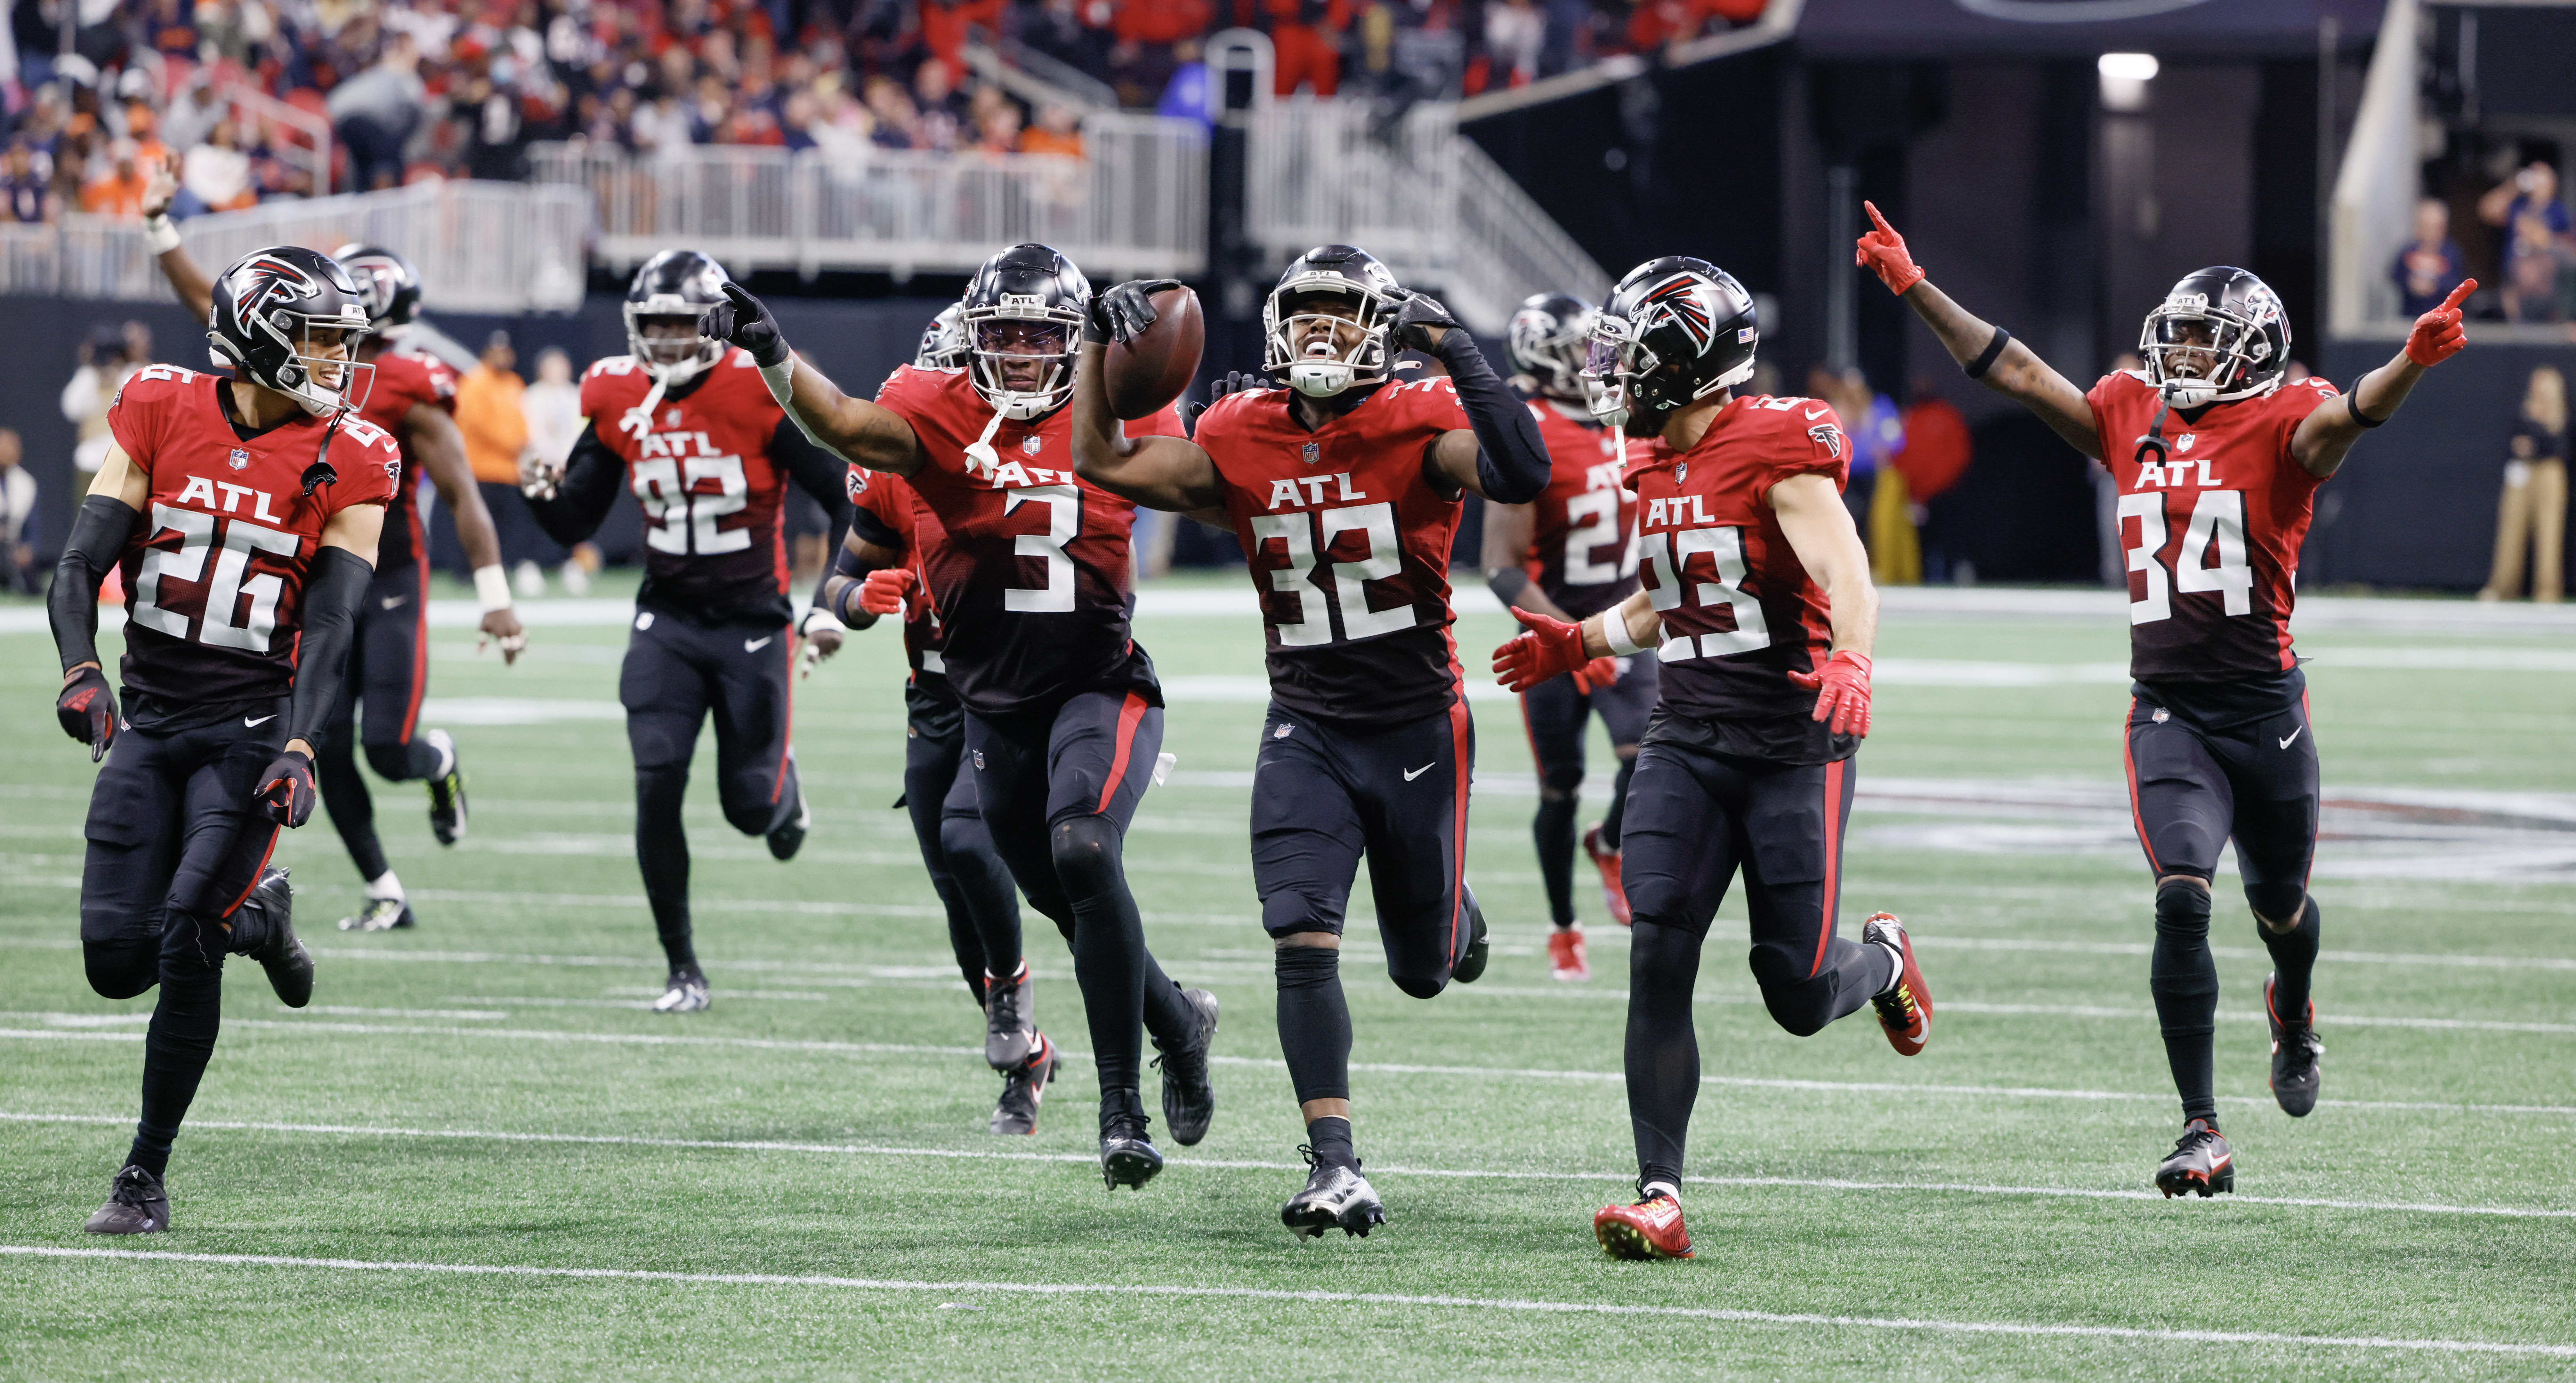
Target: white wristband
[
  {"x": 781, "y": 379},
  {"x": 1614, "y": 632},
  {"x": 816, "y": 615},
  {"x": 161, "y": 234},
  {"x": 492, "y": 588}
]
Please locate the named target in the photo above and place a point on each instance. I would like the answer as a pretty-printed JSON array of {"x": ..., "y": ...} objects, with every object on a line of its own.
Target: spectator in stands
[
  {"x": 491, "y": 413},
  {"x": 217, "y": 173},
  {"x": 23, "y": 182},
  {"x": 1142, "y": 62},
  {"x": 375, "y": 112},
  {"x": 2533, "y": 507},
  {"x": 1937, "y": 452},
  {"x": 107, "y": 360},
  {"x": 1516, "y": 34},
  {"x": 1185, "y": 96},
  {"x": 1058, "y": 132},
  {"x": 71, "y": 166},
  {"x": 552, "y": 407},
  {"x": 945, "y": 26},
  {"x": 997, "y": 129},
  {"x": 893, "y": 113},
  {"x": 192, "y": 117},
  {"x": 17, "y": 520},
  {"x": 120, "y": 193},
  {"x": 2429, "y": 267},
  {"x": 2536, "y": 242},
  {"x": 940, "y": 118},
  {"x": 1305, "y": 40}
]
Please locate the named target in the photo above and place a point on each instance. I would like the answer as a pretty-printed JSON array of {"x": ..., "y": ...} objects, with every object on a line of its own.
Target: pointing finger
[
  {"x": 1872, "y": 209},
  {"x": 2467, "y": 286}
]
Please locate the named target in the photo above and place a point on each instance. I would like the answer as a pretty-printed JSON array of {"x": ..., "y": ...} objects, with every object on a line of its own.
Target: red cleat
[
  {"x": 1613, "y": 893},
  {"x": 1565, "y": 957},
  {"x": 1905, "y": 1010},
  {"x": 1652, "y": 1228}
]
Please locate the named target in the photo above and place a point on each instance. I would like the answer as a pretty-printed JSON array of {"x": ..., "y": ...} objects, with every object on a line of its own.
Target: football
[{"x": 1151, "y": 371}]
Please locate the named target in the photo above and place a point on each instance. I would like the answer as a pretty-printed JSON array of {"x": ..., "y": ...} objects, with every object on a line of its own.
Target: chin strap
[
  {"x": 639, "y": 419},
  {"x": 980, "y": 456}
]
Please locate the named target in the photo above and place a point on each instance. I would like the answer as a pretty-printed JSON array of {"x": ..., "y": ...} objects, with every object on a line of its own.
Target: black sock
[
  {"x": 175, "y": 1051},
  {"x": 1314, "y": 1022},
  {"x": 1662, "y": 1048},
  {"x": 420, "y": 760},
  {"x": 1330, "y": 1136},
  {"x": 2294, "y": 962},
  {"x": 2185, "y": 982},
  {"x": 353, "y": 811},
  {"x": 1109, "y": 956},
  {"x": 1618, "y": 803},
  {"x": 1553, "y": 831},
  {"x": 662, "y": 854}
]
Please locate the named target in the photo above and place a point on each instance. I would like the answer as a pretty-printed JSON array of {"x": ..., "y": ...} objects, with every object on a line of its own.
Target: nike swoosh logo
[
  {"x": 2285, "y": 741},
  {"x": 393, "y": 600},
  {"x": 255, "y": 724},
  {"x": 755, "y": 645},
  {"x": 1815, "y": 415},
  {"x": 1426, "y": 768}
]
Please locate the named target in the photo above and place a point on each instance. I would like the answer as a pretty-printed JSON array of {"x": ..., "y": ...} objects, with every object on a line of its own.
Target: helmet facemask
[
  {"x": 1328, "y": 335},
  {"x": 667, "y": 335},
  {"x": 321, "y": 372},
  {"x": 1551, "y": 353},
  {"x": 1614, "y": 361},
  {"x": 1020, "y": 354},
  {"x": 2197, "y": 353}
]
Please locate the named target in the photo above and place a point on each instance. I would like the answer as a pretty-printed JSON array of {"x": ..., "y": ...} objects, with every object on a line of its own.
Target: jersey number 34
[{"x": 2217, "y": 522}]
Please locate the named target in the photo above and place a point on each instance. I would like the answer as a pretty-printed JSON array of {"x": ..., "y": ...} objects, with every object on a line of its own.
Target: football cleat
[
  {"x": 687, "y": 992},
  {"x": 788, "y": 836},
  {"x": 1905, "y": 1009},
  {"x": 1565, "y": 955},
  {"x": 1336, "y": 1197},
  {"x": 136, "y": 1204},
  {"x": 2201, "y": 1163},
  {"x": 1023, "y": 1088},
  {"x": 1189, "y": 1098},
  {"x": 1613, "y": 892},
  {"x": 1127, "y": 1153},
  {"x": 1009, "y": 1037},
  {"x": 1652, "y": 1228},
  {"x": 446, "y": 790},
  {"x": 289, "y": 965},
  {"x": 2295, "y": 1050},
  {"x": 379, "y": 915},
  {"x": 1471, "y": 965}
]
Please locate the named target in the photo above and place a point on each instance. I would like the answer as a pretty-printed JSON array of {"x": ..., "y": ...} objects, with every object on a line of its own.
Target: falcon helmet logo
[
  {"x": 269, "y": 284},
  {"x": 1687, "y": 301},
  {"x": 1829, "y": 437},
  {"x": 239, "y": 459}
]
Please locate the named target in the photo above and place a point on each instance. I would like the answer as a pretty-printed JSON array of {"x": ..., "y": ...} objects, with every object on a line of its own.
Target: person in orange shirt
[
  {"x": 120, "y": 193},
  {"x": 489, "y": 413}
]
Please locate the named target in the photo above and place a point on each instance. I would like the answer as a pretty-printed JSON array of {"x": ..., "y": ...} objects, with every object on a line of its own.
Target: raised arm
[
  {"x": 1499, "y": 455},
  {"x": 1987, "y": 353},
  {"x": 431, "y": 437},
  {"x": 2326, "y": 435},
  {"x": 855, "y": 430},
  {"x": 196, "y": 291},
  {"x": 1168, "y": 473}
]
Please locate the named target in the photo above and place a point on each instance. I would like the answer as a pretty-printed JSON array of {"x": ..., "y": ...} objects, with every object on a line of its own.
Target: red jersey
[
  {"x": 2212, "y": 511},
  {"x": 701, "y": 467},
  {"x": 400, "y": 382},
  {"x": 1028, "y": 565},
  {"x": 1583, "y": 533},
  {"x": 216, "y": 566},
  {"x": 888, "y": 511},
  {"x": 1740, "y": 611},
  {"x": 1348, "y": 542}
]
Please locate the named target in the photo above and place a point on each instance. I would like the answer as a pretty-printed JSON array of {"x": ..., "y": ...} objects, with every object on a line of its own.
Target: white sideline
[
  {"x": 1574, "y": 1308},
  {"x": 1448, "y": 1173}
]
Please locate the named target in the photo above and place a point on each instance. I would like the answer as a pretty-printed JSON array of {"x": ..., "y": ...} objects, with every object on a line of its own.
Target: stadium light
[{"x": 2124, "y": 80}]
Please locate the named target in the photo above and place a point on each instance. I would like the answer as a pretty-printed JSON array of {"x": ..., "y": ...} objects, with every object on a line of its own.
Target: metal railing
[
  {"x": 1135, "y": 204},
  {"x": 480, "y": 246}
]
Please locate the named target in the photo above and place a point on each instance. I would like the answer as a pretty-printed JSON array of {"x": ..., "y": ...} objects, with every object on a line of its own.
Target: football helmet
[
  {"x": 1326, "y": 352},
  {"x": 388, "y": 287},
  {"x": 2220, "y": 335},
  {"x": 1675, "y": 330},
  {"x": 1022, "y": 319},
  {"x": 674, "y": 285},
  {"x": 1547, "y": 339},
  {"x": 943, "y": 342},
  {"x": 276, "y": 314}
]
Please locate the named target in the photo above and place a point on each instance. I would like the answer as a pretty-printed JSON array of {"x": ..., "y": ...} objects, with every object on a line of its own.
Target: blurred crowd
[{"x": 2522, "y": 251}]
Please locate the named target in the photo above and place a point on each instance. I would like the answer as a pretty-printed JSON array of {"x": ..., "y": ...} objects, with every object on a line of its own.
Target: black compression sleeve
[
  {"x": 1511, "y": 459},
  {"x": 591, "y": 479},
  {"x": 334, "y": 586},
  {"x": 1507, "y": 583},
  {"x": 817, "y": 472},
  {"x": 99, "y": 533}
]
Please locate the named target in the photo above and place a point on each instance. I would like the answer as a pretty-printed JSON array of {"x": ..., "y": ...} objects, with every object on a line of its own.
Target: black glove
[
  {"x": 1420, "y": 311},
  {"x": 87, "y": 709},
  {"x": 742, "y": 320},
  {"x": 1124, "y": 311},
  {"x": 1231, "y": 381},
  {"x": 285, "y": 793}
]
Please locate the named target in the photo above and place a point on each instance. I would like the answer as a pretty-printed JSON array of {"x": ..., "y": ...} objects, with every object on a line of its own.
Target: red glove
[
  {"x": 1551, "y": 648},
  {"x": 1882, "y": 252},
  {"x": 883, "y": 592},
  {"x": 87, "y": 709},
  {"x": 285, "y": 793},
  {"x": 2438, "y": 334},
  {"x": 1598, "y": 675},
  {"x": 1842, "y": 691}
]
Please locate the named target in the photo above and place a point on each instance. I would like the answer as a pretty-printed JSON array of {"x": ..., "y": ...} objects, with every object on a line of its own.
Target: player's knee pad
[
  {"x": 121, "y": 969},
  {"x": 2182, "y": 910},
  {"x": 1086, "y": 853},
  {"x": 2278, "y": 903},
  {"x": 2180, "y": 966},
  {"x": 1286, "y": 912},
  {"x": 1307, "y": 967},
  {"x": 1559, "y": 781}
]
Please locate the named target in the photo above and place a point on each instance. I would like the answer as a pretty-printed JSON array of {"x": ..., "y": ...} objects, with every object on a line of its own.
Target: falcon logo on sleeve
[{"x": 1829, "y": 437}]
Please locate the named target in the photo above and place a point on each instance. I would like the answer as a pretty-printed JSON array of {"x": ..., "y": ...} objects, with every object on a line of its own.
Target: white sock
[
  {"x": 385, "y": 885},
  {"x": 1649, "y": 1190},
  {"x": 1896, "y": 960}
]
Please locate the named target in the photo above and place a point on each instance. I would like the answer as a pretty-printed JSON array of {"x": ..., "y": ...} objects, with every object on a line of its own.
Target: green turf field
[{"x": 475, "y": 1156}]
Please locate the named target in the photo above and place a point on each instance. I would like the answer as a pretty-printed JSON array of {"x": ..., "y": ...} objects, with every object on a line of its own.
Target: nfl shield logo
[
  {"x": 1314, "y": 452},
  {"x": 2183, "y": 443},
  {"x": 671, "y": 419},
  {"x": 1031, "y": 444},
  {"x": 1681, "y": 471},
  {"x": 240, "y": 458}
]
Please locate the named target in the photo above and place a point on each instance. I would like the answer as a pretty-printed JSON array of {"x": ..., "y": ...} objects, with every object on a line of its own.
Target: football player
[
  {"x": 1571, "y": 552},
  {"x": 412, "y": 395},
  {"x": 243, "y": 514},
  {"x": 879, "y": 563},
  {"x": 1757, "y": 600},
  {"x": 683, "y": 423},
  {"x": 1344, "y": 487},
  {"x": 1029, "y": 570},
  {"x": 2218, "y": 460}
]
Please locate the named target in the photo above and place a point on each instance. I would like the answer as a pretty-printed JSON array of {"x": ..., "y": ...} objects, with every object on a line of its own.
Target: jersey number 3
[{"x": 2217, "y": 521}]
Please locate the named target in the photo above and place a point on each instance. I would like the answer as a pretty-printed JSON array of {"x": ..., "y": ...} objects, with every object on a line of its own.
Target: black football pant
[
  {"x": 174, "y": 846},
  {"x": 388, "y": 675},
  {"x": 1554, "y": 714},
  {"x": 2191, "y": 790},
  {"x": 1057, "y": 789},
  {"x": 972, "y": 882},
  {"x": 1695, "y": 818},
  {"x": 677, "y": 674}
]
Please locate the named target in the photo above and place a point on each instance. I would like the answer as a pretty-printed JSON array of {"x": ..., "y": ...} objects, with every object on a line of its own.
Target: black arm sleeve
[
  {"x": 1511, "y": 458},
  {"x": 591, "y": 480},
  {"x": 334, "y": 586},
  {"x": 98, "y": 538}
]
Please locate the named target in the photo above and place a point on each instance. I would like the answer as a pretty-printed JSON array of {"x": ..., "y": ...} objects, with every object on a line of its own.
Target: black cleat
[
  {"x": 687, "y": 991},
  {"x": 1010, "y": 1033},
  {"x": 2201, "y": 1163},
  {"x": 1127, "y": 1154},
  {"x": 1336, "y": 1197},
  {"x": 379, "y": 915},
  {"x": 1023, "y": 1088},
  {"x": 1189, "y": 1098},
  {"x": 788, "y": 837},
  {"x": 2295, "y": 1050},
  {"x": 1471, "y": 963},
  {"x": 136, "y": 1204},
  {"x": 289, "y": 965},
  {"x": 446, "y": 790}
]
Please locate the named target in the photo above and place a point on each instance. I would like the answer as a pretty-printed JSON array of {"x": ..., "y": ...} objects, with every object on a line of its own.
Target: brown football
[{"x": 1148, "y": 373}]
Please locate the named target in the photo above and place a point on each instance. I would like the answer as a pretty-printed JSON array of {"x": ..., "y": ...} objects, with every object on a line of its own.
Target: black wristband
[
  {"x": 2352, "y": 407},
  {"x": 1976, "y": 369}
]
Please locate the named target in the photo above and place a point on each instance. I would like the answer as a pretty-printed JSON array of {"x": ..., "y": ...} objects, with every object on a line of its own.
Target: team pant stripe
[
  {"x": 2129, "y": 763},
  {"x": 1832, "y": 900},
  {"x": 419, "y": 638},
  {"x": 1128, "y": 714},
  {"x": 235, "y": 905},
  {"x": 1459, "y": 728}
]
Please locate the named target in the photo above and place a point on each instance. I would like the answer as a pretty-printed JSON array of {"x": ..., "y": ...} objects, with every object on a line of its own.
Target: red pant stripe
[{"x": 1128, "y": 714}]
